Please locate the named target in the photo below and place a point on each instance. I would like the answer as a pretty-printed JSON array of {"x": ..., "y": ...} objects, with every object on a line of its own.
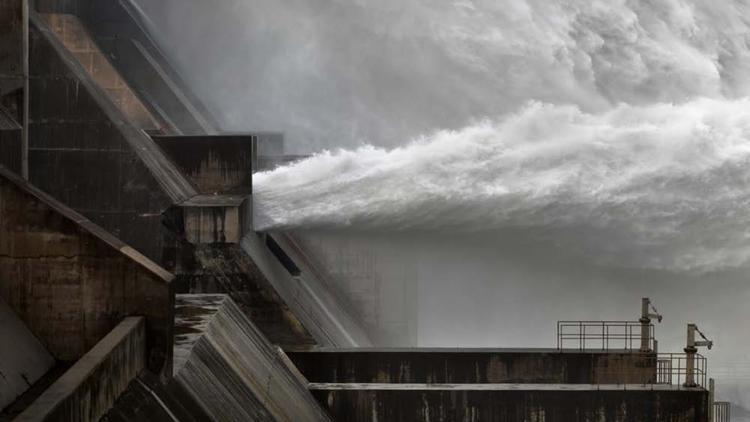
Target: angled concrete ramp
[
  {"x": 23, "y": 359},
  {"x": 230, "y": 368},
  {"x": 304, "y": 290}
]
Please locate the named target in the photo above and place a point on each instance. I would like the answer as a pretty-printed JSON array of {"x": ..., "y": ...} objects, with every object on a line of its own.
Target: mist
[
  {"x": 341, "y": 73},
  {"x": 504, "y": 164}
]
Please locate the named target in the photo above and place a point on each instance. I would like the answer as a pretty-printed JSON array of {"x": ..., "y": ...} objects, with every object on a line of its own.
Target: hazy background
[{"x": 505, "y": 164}]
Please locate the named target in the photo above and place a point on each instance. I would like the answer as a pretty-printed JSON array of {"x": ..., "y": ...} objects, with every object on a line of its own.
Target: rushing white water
[
  {"x": 627, "y": 140},
  {"x": 663, "y": 185}
]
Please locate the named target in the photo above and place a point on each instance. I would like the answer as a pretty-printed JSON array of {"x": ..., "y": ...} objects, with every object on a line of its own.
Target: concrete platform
[
  {"x": 497, "y": 387},
  {"x": 474, "y": 366},
  {"x": 510, "y": 403}
]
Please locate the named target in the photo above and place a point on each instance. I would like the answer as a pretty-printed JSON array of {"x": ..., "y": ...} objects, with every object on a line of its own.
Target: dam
[{"x": 135, "y": 284}]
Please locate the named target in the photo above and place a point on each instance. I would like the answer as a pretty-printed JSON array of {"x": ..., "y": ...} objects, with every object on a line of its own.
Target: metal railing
[
  {"x": 673, "y": 369},
  {"x": 653, "y": 371},
  {"x": 722, "y": 411},
  {"x": 602, "y": 335}
]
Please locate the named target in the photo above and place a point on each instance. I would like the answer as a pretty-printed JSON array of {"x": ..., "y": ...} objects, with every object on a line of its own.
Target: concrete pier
[
  {"x": 89, "y": 388},
  {"x": 475, "y": 366}
]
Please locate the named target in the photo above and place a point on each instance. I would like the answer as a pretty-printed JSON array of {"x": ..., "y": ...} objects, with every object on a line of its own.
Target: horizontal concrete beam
[
  {"x": 503, "y": 403},
  {"x": 440, "y": 366},
  {"x": 90, "y": 387},
  {"x": 497, "y": 387}
]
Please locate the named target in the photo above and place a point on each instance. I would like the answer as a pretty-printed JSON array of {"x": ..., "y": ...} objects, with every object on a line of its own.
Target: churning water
[
  {"x": 661, "y": 185},
  {"x": 627, "y": 135}
]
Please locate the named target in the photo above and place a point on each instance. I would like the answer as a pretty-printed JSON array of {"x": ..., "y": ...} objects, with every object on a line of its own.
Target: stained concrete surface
[
  {"x": 231, "y": 369},
  {"x": 76, "y": 38},
  {"x": 510, "y": 403},
  {"x": 122, "y": 32},
  {"x": 85, "y": 151},
  {"x": 228, "y": 269},
  {"x": 71, "y": 282},
  {"x": 307, "y": 293},
  {"x": 215, "y": 164},
  {"x": 475, "y": 366},
  {"x": 90, "y": 387}
]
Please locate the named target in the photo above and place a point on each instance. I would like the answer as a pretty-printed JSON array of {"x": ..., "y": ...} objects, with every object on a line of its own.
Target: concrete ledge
[
  {"x": 90, "y": 387},
  {"x": 497, "y": 387},
  {"x": 490, "y": 404},
  {"x": 476, "y": 366}
]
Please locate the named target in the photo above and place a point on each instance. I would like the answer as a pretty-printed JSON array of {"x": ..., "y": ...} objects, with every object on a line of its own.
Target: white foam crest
[{"x": 656, "y": 186}]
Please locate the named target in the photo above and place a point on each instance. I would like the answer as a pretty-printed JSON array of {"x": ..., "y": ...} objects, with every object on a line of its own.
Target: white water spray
[
  {"x": 658, "y": 186},
  {"x": 627, "y": 140}
]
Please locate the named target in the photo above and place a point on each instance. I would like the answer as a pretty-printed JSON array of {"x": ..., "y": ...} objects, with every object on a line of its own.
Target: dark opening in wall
[{"x": 285, "y": 260}]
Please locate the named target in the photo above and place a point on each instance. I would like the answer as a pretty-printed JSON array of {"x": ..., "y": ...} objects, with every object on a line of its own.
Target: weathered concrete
[
  {"x": 229, "y": 367},
  {"x": 121, "y": 32},
  {"x": 467, "y": 366},
  {"x": 226, "y": 268},
  {"x": 306, "y": 293},
  {"x": 149, "y": 399},
  {"x": 23, "y": 359},
  {"x": 87, "y": 153},
  {"x": 74, "y": 36},
  {"x": 71, "y": 282},
  {"x": 11, "y": 54},
  {"x": 509, "y": 403},
  {"x": 10, "y": 141},
  {"x": 383, "y": 299},
  {"x": 211, "y": 226},
  {"x": 215, "y": 164},
  {"x": 90, "y": 387},
  {"x": 216, "y": 218},
  {"x": 12, "y": 82}
]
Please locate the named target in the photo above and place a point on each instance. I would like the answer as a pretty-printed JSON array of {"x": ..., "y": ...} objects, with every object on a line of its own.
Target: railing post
[{"x": 711, "y": 400}]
